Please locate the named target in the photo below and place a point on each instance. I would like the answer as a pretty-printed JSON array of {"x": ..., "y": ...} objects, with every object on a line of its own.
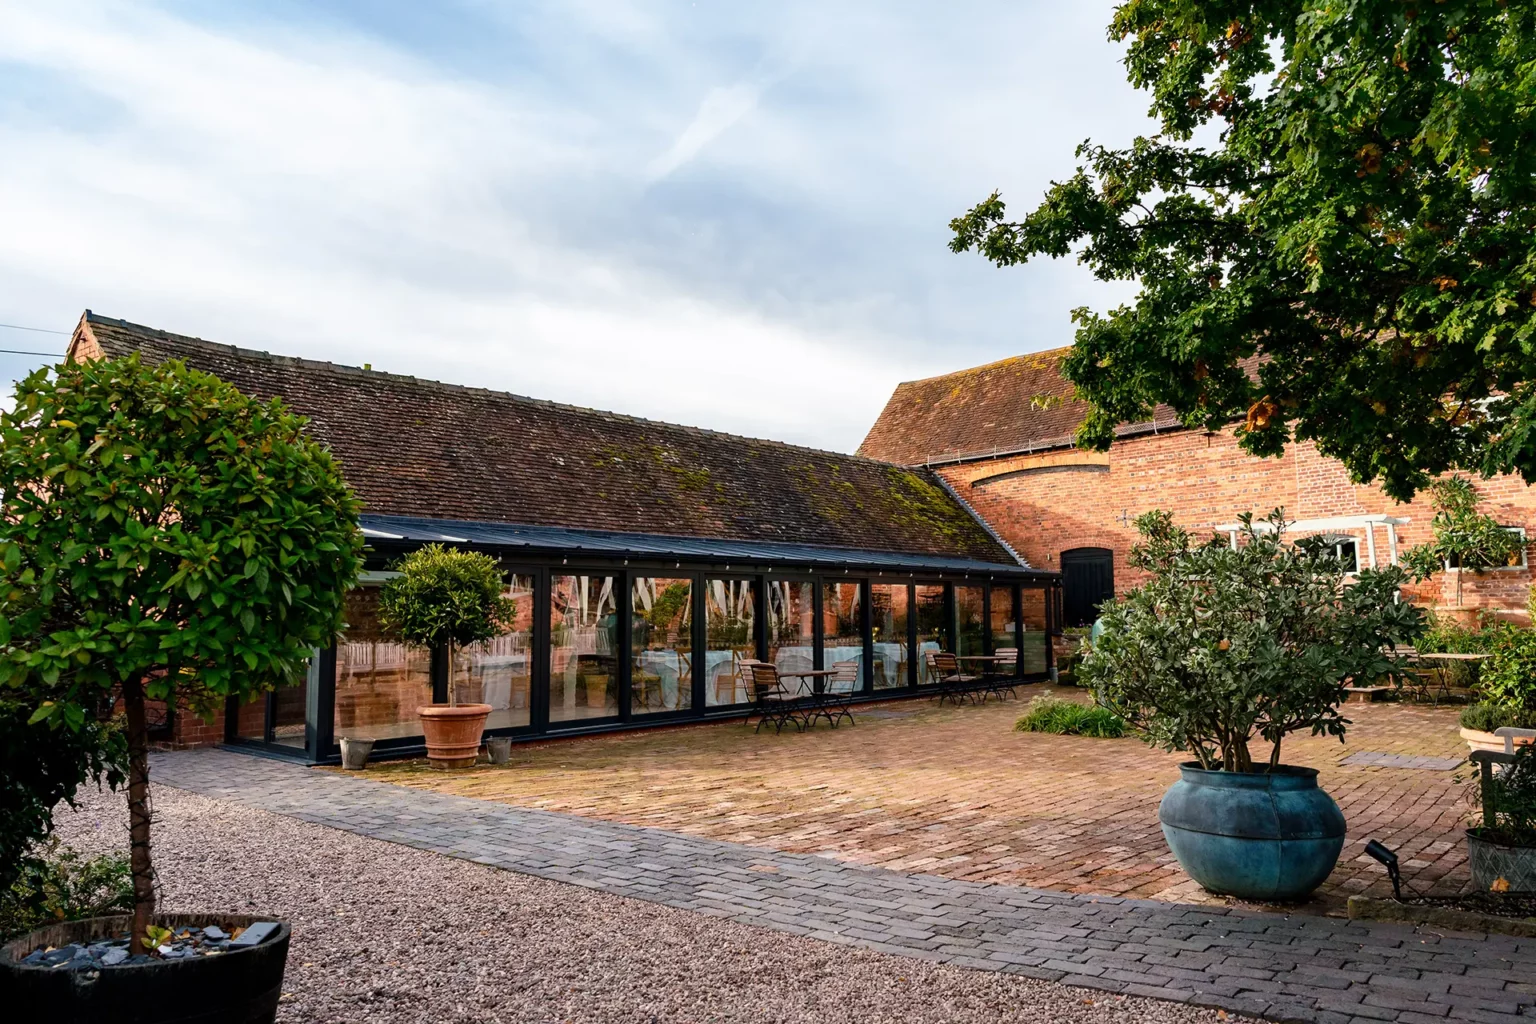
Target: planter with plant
[
  {"x": 162, "y": 538},
  {"x": 1223, "y": 647},
  {"x": 1501, "y": 850},
  {"x": 445, "y": 598},
  {"x": 1465, "y": 540},
  {"x": 1507, "y": 691}
]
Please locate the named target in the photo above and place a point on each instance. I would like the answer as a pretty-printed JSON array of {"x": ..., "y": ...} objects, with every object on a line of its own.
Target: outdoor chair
[
  {"x": 1004, "y": 673},
  {"x": 953, "y": 684},
  {"x": 837, "y": 701},
  {"x": 770, "y": 701}
]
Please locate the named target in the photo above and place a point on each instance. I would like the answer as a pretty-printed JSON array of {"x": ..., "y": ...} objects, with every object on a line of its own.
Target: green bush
[
  {"x": 1485, "y": 717},
  {"x": 1509, "y": 798},
  {"x": 59, "y": 884},
  {"x": 1068, "y": 717},
  {"x": 1509, "y": 675}
]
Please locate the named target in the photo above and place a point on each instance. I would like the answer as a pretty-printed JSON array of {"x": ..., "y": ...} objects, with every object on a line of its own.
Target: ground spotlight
[{"x": 1388, "y": 859}]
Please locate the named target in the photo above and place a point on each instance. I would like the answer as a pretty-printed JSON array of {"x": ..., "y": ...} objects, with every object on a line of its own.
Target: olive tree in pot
[
  {"x": 447, "y": 598},
  {"x": 1227, "y": 646},
  {"x": 162, "y": 536}
]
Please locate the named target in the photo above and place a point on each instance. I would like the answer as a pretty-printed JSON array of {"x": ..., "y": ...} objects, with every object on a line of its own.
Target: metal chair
[
  {"x": 953, "y": 684},
  {"x": 837, "y": 701},
  {"x": 769, "y": 699},
  {"x": 1004, "y": 672}
]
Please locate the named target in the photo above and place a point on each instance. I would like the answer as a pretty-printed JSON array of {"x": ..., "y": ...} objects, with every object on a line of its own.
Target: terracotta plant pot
[
  {"x": 453, "y": 733},
  {"x": 1479, "y": 740}
]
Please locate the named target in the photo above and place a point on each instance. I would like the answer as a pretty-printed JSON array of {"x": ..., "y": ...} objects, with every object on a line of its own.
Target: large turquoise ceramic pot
[{"x": 1257, "y": 836}]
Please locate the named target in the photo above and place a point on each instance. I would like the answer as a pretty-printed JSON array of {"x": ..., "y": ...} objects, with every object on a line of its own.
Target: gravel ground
[{"x": 386, "y": 933}]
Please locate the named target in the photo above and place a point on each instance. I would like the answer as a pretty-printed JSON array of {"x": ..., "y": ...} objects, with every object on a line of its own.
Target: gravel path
[{"x": 386, "y": 933}]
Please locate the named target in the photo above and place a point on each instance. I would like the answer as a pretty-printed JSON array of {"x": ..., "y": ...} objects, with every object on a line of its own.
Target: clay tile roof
[
  {"x": 1017, "y": 404},
  {"x": 413, "y": 447}
]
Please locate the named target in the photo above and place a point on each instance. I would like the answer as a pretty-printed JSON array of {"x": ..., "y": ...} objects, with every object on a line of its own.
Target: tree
[
  {"x": 1352, "y": 257},
  {"x": 446, "y": 598},
  {"x": 1464, "y": 538},
  {"x": 162, "y": 535},
  {"x": 1224, "y": 646}
]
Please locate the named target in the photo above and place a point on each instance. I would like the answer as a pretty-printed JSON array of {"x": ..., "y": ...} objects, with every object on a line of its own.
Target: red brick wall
[{"x": 1047, "y": 503}]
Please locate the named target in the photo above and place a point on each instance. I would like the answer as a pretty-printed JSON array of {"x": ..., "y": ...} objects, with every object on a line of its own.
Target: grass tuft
[{"x": 1067, "y": 717}]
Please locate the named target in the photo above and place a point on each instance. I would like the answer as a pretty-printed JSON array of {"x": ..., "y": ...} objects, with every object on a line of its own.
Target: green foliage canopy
[
  {"x": 158, "y": 525},
  {"x": 1223, "y": 646},
  {"x": 1346, "y": 191},
  {"x": 445, "y": 597},
  {"x": 1464, "y": 536}
]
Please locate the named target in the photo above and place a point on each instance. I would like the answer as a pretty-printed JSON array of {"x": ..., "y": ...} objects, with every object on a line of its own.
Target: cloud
[{"x": 557, "y": 199}]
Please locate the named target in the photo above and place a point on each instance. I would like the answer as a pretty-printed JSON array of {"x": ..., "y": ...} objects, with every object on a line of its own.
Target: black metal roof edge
[{"x": 613, "y": 544}]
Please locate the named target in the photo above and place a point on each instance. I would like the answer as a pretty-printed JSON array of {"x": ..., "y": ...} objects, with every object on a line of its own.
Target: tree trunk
[
  {"x": 139, "y": 812},
  {"x": 1274, "y": 756},
  {"x": 453, "y": 701}
]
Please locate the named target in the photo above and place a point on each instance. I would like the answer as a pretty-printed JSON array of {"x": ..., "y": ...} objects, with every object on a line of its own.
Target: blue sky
[{"x": 719, "y": 213}]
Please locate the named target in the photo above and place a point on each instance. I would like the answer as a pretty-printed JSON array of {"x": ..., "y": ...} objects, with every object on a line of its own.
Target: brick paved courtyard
[{"x": 957, "y": 792}]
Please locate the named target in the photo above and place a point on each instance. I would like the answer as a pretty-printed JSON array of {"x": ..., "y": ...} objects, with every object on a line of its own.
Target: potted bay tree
[
  {"x": 1223, "y": 648},
  {"x": 447, "y": 598},
  {"x": 163, "y": 537}
]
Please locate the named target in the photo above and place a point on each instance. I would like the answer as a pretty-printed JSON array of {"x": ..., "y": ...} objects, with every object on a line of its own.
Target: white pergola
[{"x": 1335, "y": 524}]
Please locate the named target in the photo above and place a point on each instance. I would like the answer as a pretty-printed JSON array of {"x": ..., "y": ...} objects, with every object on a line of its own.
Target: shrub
[
  {"x": 1068, "y": 717},
  {"x": 1485, "y": 717},
  {"x": 58, "y": 884},
  {"x": 1509, "y": 675},
  {"x": 1226, "y": 645}
]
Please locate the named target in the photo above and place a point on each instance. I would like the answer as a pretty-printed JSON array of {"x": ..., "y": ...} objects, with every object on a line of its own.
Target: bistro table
[
  {"x": 813, "y": 684},
  {"x": 1442, "y": 661},
  {"x": 991, "y": 682}
]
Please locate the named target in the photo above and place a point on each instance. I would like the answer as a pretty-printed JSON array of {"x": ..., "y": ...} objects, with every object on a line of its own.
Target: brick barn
[
  {"x": 647, "y": 562},
  {"x": 1001, "y": 436}
]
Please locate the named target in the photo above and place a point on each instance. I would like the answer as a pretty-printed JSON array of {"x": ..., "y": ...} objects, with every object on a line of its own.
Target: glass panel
[
  {"x": 1033, "y": 640},
  {"x": 251, "y": 723},
  {"x": 888, "y": 609},
  {"x": 583, "y": 648},
  {"x": 971, "y": 616},
  {"x": 932, "y": 627},
  {"x": 842, "y": 625},
  {"x": 379, "y": 683},
  {"x": 730, "y": 608},
  {"x": 1005, "y": 643},
  {"x": 661, "y": 645},
  {"x": 289, "y": 704},
  {"x": 499, "y": 672},
  {"x": 792, "y": 626}
]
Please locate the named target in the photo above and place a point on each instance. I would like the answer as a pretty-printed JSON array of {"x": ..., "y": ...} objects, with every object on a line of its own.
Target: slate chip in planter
[
  {"x": 255, "y": 934},
  {"x": 215, "y": 933}
]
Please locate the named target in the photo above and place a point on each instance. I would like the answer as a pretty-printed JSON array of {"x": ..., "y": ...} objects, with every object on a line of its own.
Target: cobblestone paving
[
  {"x": 957, "y": 792},
  {"x": 1298, "y": 967}
]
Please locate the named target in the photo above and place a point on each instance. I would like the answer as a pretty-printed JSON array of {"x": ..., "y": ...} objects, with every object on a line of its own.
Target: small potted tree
[
  {"x": 1465, "y": 540},
  {"x": 447, "y": 598},
  {"x": 1224, "y": 647},
  {"x": 162, "y": 537}
]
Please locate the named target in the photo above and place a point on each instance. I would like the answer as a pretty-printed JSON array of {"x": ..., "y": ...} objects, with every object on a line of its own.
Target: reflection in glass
[
  {"x": 842, "y": 626},
  {"x": 584, "y": 648},
  {"x": 379, "y": 683},
  {"x": 499, "y": 672},
  {"x": 730, "y": 608},
  {"x": 792, "y": 628},
  {"x": 888, "y": 609},
  {"x": 251, "y": 719},
  {"x": 661, "y": 645},
  {"x": 970, "y": 616},
  {"x": 289, "y": 704},
  {"x": 1033, "y": 640},
  {"x": 932, "y": 627},
  {"x": 1005, "y": 643}
]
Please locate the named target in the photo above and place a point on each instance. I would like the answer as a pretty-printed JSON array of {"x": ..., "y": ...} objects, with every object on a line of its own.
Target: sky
[{"x": 726, "y": 214}]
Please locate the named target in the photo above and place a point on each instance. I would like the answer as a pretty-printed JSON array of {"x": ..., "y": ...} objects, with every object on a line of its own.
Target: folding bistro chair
[
  {"x": 837, "y": 701},
  {"x": 1005, "y": 672},
  {"x": 953, "y": 684},
  {"x": 769, "y": 699}
]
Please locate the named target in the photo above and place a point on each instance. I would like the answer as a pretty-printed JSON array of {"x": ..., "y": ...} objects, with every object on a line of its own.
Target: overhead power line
[{"x": 39, "y": 330}]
